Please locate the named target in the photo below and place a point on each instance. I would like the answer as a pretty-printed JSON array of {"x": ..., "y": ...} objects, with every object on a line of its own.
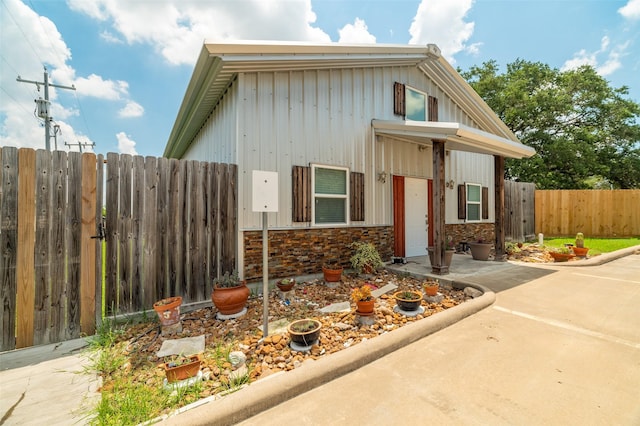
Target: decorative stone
[
  {"x": 434, "y": 299},
  {"x": 239, "y": 373},
  {"x": 417, "y": 312},
  {"x": 365, "y": 319},
  {"x": 237, "y": 358},
  {"x": 472, "y": 292},
  {"x": 223, "y": 317}
]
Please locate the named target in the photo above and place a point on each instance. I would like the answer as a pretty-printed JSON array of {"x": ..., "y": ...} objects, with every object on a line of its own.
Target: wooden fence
[
  {"x": 519, "y": 200},
  {"x": 595, "y": 213},
  {"x": 170, "y": 227}
]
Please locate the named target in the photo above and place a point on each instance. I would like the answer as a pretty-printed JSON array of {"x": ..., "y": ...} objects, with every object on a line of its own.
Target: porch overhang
[{"x": 455, "y": 135}]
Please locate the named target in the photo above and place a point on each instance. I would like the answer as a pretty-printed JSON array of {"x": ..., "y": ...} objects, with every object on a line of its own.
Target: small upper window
[
  {"x": 330, "y": 195},
  {"x": 474, "y": 202},
  {"x": 416, "y": 105}
]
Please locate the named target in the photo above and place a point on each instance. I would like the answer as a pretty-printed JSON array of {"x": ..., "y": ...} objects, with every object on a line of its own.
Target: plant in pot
[
  {"x": 332, "y": 271},
  {"x": 408, "y": 300},
  {"x": 579, "y": 249},
  {"x": 449, "y": 251},
  {"x": 168, "y": 310},
  {"x": 363, "y": 299},
  {"x": 431, "y": 287},
  {"x": 480, "y": 250},
  {"x": 366, "y": 257},
  {"x": 181, "y": 367},
  {"x": 230, "y": 294},
  {"x": 285, "y": 284},
  {"x": 561, "y": 254},
  {"x": 304, "y": 332}
]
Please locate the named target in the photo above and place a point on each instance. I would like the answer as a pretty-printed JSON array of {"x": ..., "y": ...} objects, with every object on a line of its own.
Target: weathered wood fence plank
[
  {"x": 8, "y": 243},
  {"x": 88, "y": 245}
]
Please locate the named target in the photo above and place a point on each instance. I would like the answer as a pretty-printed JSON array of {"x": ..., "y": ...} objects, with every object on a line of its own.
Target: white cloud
[
  {"x": 612, "y": 58},
  {"x": 177, "y": 28},
  {"x": 25, "y": 56},
  {"x": 131, "y": 109},
  {"x": 443, "y": 22},
  {"x": 126, "y": 145},
  {"x": 631, "y": 10},
  {"x": 356, "y": 33}
]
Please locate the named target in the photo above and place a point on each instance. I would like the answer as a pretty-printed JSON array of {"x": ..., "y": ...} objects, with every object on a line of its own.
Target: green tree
[{"x": 586, "y": 134}]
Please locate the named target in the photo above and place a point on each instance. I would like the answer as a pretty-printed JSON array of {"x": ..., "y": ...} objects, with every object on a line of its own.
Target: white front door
[{"x": 415, "y": 216}]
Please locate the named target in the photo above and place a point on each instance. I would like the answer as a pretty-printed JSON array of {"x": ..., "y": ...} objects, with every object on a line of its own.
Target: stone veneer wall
[
  {"x": 295, "y": 252},
  {"x": 470, "y": 232}
]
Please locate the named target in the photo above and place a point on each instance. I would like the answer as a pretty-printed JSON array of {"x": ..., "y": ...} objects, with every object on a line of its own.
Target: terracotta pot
[
  {"x": 182, "y": 371},
  {"x": 480, "y": 251},
  {"x": 332, "y": 275},
  {"x": 286, "y": 287},
  {"x": 304, "y": 337},
  {"x": 561, "y": 257},
  {"x": 168, "y": 310},
  {"x": 365, "y": 306},
  {"x": 230, "y": 300},
  {"x": 448, "y": 256},
  {"x": 408, "y": 304},
  {"x": 580, "y": 251},
  {"x": 431, "y": 289}
]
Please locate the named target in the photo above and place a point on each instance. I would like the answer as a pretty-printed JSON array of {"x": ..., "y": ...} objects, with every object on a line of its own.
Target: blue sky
[{"x": 131, "y": 60}]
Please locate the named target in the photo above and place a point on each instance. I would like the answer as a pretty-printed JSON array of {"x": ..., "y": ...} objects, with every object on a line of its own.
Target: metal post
[
  {"x": 265, "y": 275},
  {"x": 47, "y": 119}
]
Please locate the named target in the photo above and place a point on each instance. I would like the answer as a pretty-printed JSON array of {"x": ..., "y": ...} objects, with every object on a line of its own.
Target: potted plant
[
  {"x": 168, "y": 310},
  {"x": 480, "y": 250},
  {"x": 366, "y": 257},
  {"x": 180, "y": 367},
  {"x": 304, "y": 332},
  {"x": 579, "y": 249},
  {"x": 229, "y": 293},
  {"x": 431, "y": 287},
  {"x": 561, "y": 254},
  {"x": 408, "y": 300},
  {"x": 285, "y": 284},
  {"x": 332, "y": 271},
  {"x": 363, "y": 299},
  {"x": 448, "y": 252}
]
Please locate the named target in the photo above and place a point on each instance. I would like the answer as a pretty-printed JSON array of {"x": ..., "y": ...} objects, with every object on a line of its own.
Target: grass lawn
[{"x": 595, "y": 245}]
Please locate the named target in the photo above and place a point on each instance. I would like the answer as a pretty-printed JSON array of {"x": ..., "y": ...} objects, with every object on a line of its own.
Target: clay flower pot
[
  {"x": 365, "y": 306},
  {"x": 408, "y": 300},
  {"x": 431, "y": 288},
  {"x": 168, "y": 310},
  {"x": 480, "y": 251},
  {"x": 230, "y": 300},
  {"x": 448, "y": 255},
  {"x": 332, "y": 275},
  {"x": 183, "y": 370},
  {"x": 286, "y": 286},
  {"x": 561, "y": 257},
  {"x": 580, "y": 251},
  {"x": 304, "y": 332}
]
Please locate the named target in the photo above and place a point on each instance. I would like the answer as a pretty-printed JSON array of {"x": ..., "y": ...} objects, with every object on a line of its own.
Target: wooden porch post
[
  {"x": 499, "y": 205},
  {"x": 439, "y": 266}
]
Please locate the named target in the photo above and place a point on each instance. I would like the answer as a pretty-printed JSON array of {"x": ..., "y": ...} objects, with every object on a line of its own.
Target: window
[
  {"x": 330, "y": 186},
  {"x": 474, "y": 202},
  {"x": 416, "y": 105}
]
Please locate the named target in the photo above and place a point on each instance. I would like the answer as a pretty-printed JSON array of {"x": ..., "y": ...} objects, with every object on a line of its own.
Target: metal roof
[{"x": 218, "y": 65}]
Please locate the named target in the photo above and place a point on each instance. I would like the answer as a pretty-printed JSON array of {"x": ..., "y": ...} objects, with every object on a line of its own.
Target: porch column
[
  {"x": 498, "y": 165},
  {"x": 439, "y": 266}
]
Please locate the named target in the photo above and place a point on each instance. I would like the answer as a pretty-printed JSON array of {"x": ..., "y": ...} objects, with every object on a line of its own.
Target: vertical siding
[
  {"x": 275, "y": 120},
  {"x": 468, "y": 167}
]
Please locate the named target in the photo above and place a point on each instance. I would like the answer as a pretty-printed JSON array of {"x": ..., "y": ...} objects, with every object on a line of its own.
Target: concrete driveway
[{"x": 561, "y": 349}]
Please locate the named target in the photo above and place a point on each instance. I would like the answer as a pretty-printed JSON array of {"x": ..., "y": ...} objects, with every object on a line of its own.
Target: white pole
[{"x": 265, "y": 276}]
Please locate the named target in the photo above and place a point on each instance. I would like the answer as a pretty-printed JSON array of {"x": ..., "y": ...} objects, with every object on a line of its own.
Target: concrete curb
[{"x": 271, "y": 391}]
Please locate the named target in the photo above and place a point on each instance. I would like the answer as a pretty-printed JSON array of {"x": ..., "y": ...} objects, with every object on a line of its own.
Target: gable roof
[{"x": 218, "y": 65}]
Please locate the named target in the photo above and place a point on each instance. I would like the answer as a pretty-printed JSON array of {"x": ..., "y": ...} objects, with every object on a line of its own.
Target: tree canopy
[{"x": 586, "y": 134}]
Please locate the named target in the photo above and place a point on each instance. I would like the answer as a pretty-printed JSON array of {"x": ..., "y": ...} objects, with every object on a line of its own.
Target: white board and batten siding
[{"x": 274, "y": 120}]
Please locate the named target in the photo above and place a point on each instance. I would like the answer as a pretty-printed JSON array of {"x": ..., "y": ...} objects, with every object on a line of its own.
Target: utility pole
[{"x": 43, "y": 104}]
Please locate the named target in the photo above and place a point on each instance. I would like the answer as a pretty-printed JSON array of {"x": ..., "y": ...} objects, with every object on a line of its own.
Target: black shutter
[
  {"x": 433, "y": 109},
  {"x": 399, "y": 99},
  {"x": 301, "y": 197},
  {"x": 356, "y": 196},
  {"x": 462, "y": 202}
]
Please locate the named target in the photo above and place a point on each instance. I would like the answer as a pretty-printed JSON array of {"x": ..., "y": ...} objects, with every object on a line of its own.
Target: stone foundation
[
  {"x": 470, "y": 232},
  {"x": 296, "y": 252}
]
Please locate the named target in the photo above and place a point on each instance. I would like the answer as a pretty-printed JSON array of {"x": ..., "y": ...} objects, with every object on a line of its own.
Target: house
[{"x": 383, "y": 143}]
